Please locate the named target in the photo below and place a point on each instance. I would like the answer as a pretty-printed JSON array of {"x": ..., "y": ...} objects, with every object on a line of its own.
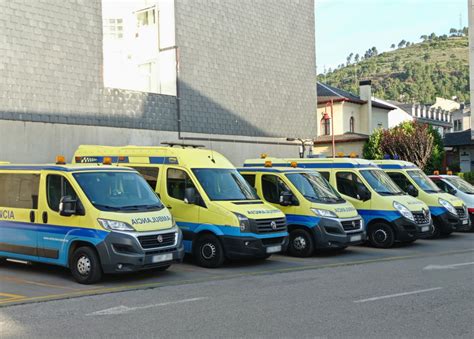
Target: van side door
[
  {"x": 58, "y": 229},
  {"x": 18, "y": 215},
  {"x": 270, "y": 187},
  {"x": 348, "y": 185}
]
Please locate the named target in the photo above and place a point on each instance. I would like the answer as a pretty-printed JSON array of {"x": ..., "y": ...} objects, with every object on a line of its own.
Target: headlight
[
  {"x": 180, "y": 234},
  {"x": 448, "y": 206},
  {"x": 244, "y": 222},
  {"x": 115, "y": 225},
  {"x": 403, "y": 211},
  {"x": 324, "y": 213}
]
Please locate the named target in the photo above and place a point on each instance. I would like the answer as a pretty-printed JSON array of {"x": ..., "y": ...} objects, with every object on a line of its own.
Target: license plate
[
  {"x": 356, "y": 237},
  {"x": 425, "y": 228},
  {"x": 274, "y": 249},
  {"x": 162, "y": 257},
  {"x": 464, "y": 222}
]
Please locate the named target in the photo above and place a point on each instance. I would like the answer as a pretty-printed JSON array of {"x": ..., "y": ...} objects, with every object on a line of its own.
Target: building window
[
  {"x": 326, "y": 126},
  {"x": 113, "y": 28},
  {"x": 351, "y": 125},
  {"x": 457, "y": 125}
]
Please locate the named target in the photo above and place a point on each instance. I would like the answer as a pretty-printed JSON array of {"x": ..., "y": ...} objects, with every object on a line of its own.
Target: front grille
[
  {"x": 151, "y": 241},
  {"x": 351, "y": 225},
  {"x": 420, "y": 218},
  {"x": 461, "y": 212},
  {"x": 269, "y": 225}
]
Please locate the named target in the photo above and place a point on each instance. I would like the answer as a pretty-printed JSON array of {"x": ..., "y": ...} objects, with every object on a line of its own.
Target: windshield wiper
[
  {"x": 138, "y": 207},
  {"x": 107, "y": 207}
]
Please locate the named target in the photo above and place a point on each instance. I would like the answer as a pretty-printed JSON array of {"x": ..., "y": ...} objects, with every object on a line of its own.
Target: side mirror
[
  {"x": 364, "y": 193},
  {"x": 190, "y": 196},
  {"x": 67, "y": 206},
  {"x": 411, "y": 190},
  {"x": 286, "y": 199}
]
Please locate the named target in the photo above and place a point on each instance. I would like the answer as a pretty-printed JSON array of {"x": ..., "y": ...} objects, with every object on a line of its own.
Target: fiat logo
[
  {"x": 273, "y": 225},
  {"x": 159, "y": 238}
]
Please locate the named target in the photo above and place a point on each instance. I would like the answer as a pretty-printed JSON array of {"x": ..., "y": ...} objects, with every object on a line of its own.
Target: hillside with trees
[{"x": 411, "y": 72}]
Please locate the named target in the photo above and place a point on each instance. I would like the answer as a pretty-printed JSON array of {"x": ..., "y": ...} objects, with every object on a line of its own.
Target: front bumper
[
  {"x": 407, "y": 230},
  {"x": 448, "y": 222},
  {"x": 122, "y": 252},
  {"x": 329, "y": 233},
  {"x": 250, "y": 247}
]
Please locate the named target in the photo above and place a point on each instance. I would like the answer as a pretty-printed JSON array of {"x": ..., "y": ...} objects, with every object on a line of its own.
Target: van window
[
  {"x": 19, "y": 190},
  {"x": 349, "y": 183},
  {"x": 150, "y": 174},
  {"x": 400, "y": 179},
  {"x": 441, "y": 184},
  {"x": 176, "y": 183},
  {"x": 250, "y": 178},
  {"x": 272, "y": 187},
  {"x": 57, "y": 187},
  {"x": 325, "y": 175}
]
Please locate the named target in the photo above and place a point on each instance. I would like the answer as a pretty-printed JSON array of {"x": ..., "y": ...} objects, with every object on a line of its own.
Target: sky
[{"x": 345, "y": 26}]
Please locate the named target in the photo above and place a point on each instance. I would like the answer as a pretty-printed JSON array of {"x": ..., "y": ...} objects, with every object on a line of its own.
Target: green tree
[
  {"x": 392, "y": 46},
  {"x": 372, "y": 148}
]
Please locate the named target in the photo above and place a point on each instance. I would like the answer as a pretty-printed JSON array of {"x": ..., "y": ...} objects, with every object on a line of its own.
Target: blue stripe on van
[
  {"x": 163, "y": 160},
  {"x": 437, "y": 210},
  {"x": 220, "y": 230},
  {"x": 59, "y": 168},
  {"x": 47, "y": 236},
  {"x": 369, "y": 215},
  {"x": 303, "y": 220}
]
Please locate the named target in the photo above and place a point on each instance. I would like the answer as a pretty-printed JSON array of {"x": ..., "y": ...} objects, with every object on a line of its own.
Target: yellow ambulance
[
  {"x": 318, "y": 217},
  {"x": 219, "y": 213},
  {"x": 389, "y": 213},
  {"x": 92, "y": 219},
  {"x": 449, "y": 212}
]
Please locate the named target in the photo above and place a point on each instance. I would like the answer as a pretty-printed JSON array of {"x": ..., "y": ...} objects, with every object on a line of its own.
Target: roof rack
[{"x": 183, "y": 145}]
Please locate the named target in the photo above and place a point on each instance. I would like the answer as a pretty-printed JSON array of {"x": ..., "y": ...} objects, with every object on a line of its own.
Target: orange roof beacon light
[
  {"x": 340, "y": 154},
  {"x": 294, "y": 164},
  {"x": 435, "y": 172},
  {"x": 268, "y": 163},
  {"x": 60, "y": 160},
  {"x": 121, "y": 158},
  {"x": 353, "y": 155},
  {"x": 263, "y": 155},
  {"x": 107, "y": 161},
  {"x": 449, "y": 172}
]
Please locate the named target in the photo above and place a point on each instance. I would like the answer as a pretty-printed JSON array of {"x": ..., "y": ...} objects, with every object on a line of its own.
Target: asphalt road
[{"x": 430, "y": 295}]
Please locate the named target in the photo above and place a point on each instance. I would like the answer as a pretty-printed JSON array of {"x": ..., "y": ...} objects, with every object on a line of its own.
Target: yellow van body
[
  {"x": 56, "y": 214},
  {"x": 449, "y": 212},
  {"x": 389, "y": 216},
  {"x": 224, "y": 219},
  {"x": 317, "y": 216}
]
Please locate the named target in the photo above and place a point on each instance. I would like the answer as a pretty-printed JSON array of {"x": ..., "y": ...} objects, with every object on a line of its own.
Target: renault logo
[
  {"x": 159, "y": 238},
  {"x": 273, "y": 225}
]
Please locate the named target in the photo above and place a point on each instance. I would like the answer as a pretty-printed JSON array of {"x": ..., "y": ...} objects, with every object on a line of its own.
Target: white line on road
[
  {"x": 125, "y": 309},
  {"x": 446, "y": 267},
  {"x": 397, "y": 295}
]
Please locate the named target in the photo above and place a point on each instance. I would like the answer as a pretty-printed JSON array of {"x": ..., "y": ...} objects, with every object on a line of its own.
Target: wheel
[
  {"x": 381, "y": 235},
  {"x": 208, "y": 251},
  {"x": 162, "y": 268},
  {"x": 435, "y": 231},
  {"x": 301, "y": 243},
  {"x": 85, "y": 265}
]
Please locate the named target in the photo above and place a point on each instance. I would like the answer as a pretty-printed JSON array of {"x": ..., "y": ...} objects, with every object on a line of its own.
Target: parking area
[{"x": 25, "y": 283}]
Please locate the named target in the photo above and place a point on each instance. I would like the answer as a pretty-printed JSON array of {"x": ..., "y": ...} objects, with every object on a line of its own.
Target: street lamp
[{"x": 302, "y": 148}]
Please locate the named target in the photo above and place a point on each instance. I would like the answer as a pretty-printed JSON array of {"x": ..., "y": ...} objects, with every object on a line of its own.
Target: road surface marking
[
  {"x": 446, "y": 267},
  {"x": 125, "y": 309},
  {"x": 23, "y": 281},
  {"x": 397, "y": 295},
  {"x": 7, "y": 297}
]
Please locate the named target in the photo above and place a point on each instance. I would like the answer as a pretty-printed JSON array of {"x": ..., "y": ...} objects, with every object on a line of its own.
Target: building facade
[
  {"x": 354, "y": 118},
  {"x": 237, "y": 76}
]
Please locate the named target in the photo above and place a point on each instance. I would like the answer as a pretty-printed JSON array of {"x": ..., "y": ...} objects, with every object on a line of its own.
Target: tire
[
  {"x": 301, "y": 244},
  {"x": 85, "y": 265},
  {"x": 162, "y": 268},
  {"x": 381, "y": 236},
  {"x": 435, "y": 232},
  {"x": 208, "y": 251}
]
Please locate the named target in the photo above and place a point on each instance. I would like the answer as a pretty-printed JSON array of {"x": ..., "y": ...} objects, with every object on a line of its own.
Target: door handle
[
  {"x": 169, "y": 207},
  {"x": 45, "y": 217},
  {"x": 32, "y": 216}
]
